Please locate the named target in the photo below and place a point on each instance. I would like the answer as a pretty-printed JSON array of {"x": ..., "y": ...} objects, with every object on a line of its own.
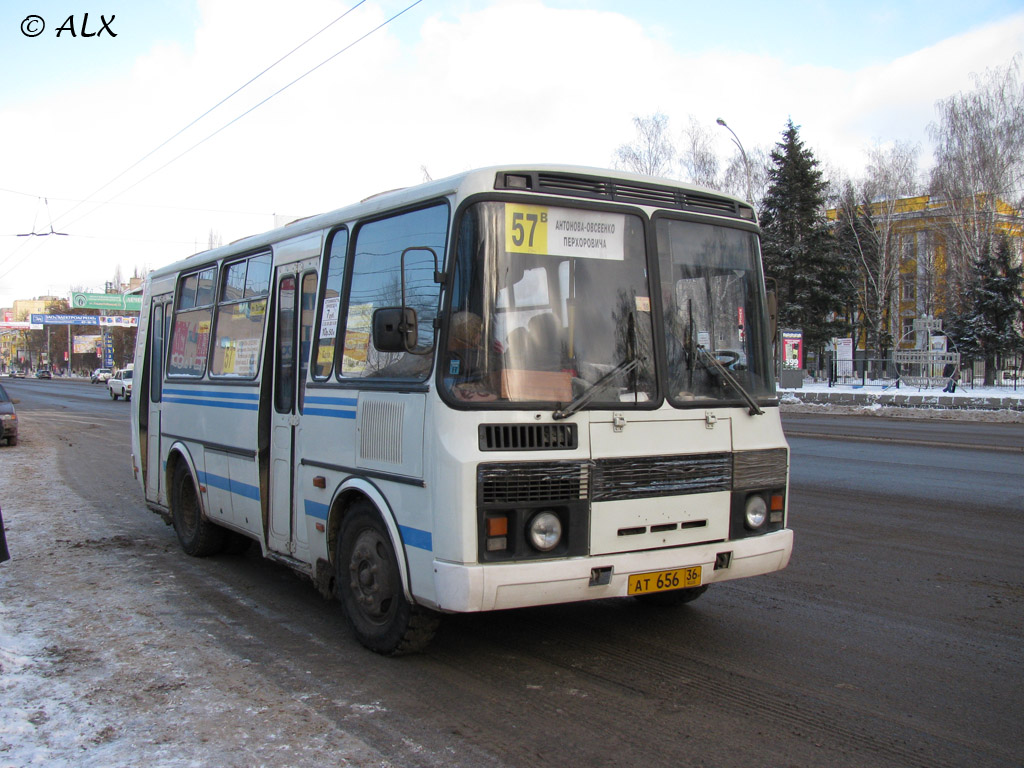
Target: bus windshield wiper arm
[
  {"x": 591, "y": 392},
  {"x": 708, "y": 358}
]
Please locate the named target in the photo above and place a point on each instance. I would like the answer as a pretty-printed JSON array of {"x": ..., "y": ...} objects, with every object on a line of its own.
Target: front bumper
[{"x": 467, "y": 588}]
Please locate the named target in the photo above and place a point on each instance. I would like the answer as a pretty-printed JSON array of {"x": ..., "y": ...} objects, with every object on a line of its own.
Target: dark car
[
  {"x": 8, "y": 418},
  {"x": 44, "y": 373}
]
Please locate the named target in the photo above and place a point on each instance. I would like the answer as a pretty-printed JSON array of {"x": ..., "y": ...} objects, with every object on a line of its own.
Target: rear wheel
[
  {"x": 198, "y": 536},
  {"x": 12, "y": 441},
  {"x": 369, "y": 586}
]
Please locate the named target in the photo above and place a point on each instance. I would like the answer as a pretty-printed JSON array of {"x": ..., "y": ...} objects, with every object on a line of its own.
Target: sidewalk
[{"x": 973, "y": 398}]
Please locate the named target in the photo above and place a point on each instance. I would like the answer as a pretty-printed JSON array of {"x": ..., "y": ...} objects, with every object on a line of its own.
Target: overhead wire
[
  {"x": 268, "y": 98},
  {"x": 240, "y": 88},
  {"x": 223, "y": 127}
]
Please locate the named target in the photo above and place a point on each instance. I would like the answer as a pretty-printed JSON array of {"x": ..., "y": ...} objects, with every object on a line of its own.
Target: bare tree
[
  {"x": 652, "y": 153},
  {"x": 979, "y": 162},
  {"x": 698, "y": 161},
  {"x": 867, "y": 233},
  {"x": 734, "y": 180}
]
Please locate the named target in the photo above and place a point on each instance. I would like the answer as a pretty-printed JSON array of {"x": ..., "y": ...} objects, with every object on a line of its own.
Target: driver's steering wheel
[{"x": 726, "y": 356}]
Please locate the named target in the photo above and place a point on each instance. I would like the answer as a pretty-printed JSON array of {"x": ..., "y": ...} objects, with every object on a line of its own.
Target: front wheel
[
  {"x": 113, "y": 395},
  {"x": 198, "y": 536},
  {"x": 369, "y": 586}
]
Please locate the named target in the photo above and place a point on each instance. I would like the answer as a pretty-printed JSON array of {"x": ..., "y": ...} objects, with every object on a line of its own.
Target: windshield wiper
[
  {"x": 626, "y": 366},
  {"x": 707, "y": 357}
]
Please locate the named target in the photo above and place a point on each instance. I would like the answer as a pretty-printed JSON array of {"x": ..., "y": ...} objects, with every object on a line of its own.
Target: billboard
[{"x": 119, "y": 302}]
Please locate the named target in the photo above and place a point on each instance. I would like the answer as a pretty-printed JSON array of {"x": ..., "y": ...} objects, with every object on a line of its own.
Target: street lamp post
[{"x": 743, "y": 154}]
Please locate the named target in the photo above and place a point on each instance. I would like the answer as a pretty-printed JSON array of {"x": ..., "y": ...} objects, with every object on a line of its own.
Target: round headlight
[
  {"x": 756, "y": 512},
  {"x": 545, "y": 531}
]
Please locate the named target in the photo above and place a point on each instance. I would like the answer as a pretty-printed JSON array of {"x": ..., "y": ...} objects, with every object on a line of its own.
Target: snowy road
[{"x": 893, "y": 639}]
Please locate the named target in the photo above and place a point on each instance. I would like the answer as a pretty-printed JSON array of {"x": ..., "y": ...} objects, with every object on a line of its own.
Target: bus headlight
[
  {"x": 756, "y": 512},
  {"x": 544, "y": 531}
]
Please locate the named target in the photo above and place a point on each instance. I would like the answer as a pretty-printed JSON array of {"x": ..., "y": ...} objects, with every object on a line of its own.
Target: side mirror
[{"x": 395, "y": 329}]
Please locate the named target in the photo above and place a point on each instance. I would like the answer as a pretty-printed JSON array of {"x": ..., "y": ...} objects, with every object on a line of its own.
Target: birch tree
[
  {"x": 979, "y": 161},
  {"x": 652, "y": 152}
]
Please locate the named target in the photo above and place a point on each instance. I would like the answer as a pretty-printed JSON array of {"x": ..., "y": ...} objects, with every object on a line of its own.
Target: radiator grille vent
[
  {"x": 528, "y": 437},
  {"x": 380, "y": 431},
  {"x": 533, "y": 483},
  {"x": 651, "y": 476}
]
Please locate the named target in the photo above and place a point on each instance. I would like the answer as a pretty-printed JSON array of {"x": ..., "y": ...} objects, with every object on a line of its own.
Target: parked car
[
  {"x": 44, "y": 373},
  {"x": 120, "y": 385},
  {"x": 100, "y": 375},
  {"x": 17, "y": 374},
  {"x": 8, "y": 418}
]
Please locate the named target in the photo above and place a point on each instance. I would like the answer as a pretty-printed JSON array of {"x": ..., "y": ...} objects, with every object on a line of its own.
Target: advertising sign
[
  {"x": 793, "y": 350},
  {"x": 844, "y": 357},
  {"x": 120, "y": 302}
]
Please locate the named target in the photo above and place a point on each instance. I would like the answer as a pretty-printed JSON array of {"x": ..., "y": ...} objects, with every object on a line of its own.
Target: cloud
[{"x": 449, "y": 89}]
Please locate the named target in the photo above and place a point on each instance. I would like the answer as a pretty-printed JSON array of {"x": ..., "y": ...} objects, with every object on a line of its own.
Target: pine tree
[
  {"x": 799, "y": 251},
  {"x": 988, "y": 325}
]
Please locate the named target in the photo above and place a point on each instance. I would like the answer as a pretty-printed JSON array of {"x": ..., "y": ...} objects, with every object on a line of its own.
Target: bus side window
[
  {"x": 190, "y": 336},
  {"x": 330, "y": 306},
  {"x": 307, "y": 308},
  {"x": 376, "y": 282}
]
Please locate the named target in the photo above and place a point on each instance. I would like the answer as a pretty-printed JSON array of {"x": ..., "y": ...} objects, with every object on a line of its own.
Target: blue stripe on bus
[
  {"x": 229, "y": 485},
  {"x": 332, "y": 400},
  {"x": 211, "y": 403},
  {"x": 213, "y": 399},
  {"x": 316, "y": 509},
  {"x": 414, "y": 537},
  {"x": 328, "y": 412},
  {"x": 214, "y": 394}
]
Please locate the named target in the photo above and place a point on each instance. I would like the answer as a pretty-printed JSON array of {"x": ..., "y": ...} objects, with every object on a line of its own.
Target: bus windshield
[
  {"x": 713, "y": 305},
  {"x": 553, "y": 306},
  {"x": 549, "y": 303}
]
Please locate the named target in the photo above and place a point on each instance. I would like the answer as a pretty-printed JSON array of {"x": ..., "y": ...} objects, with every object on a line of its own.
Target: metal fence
[{"x": 883, "y": 373}]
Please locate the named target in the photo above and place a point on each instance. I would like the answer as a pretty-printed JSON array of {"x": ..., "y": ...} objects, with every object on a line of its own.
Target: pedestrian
[
  {"x": 951, "y": 373},
  {"x": 4, "y": 554}
]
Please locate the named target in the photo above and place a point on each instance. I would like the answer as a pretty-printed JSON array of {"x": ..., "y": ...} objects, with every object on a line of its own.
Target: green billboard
[{"x": 122, "y": 302}]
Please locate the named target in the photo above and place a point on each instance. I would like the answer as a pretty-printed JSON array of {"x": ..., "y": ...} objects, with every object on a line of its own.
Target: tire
[
  {"x": 672, "y": 597},
  {"x": 198, "y": 536},
  {"x": 369, "y": 587},
  {"x": 11, "y": 441},
  {"x": 113, "y": 395}
]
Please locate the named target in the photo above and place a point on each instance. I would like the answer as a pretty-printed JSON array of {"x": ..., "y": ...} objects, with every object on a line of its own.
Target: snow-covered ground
[{"x": 94, "y": 670}]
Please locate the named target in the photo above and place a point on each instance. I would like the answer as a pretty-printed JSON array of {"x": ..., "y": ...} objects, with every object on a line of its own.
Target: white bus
[{"x": 514, "y": 387}]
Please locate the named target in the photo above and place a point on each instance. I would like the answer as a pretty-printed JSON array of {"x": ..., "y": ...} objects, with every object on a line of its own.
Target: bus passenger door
[
  {"x": 158, "y": 322},
  {"x": 280, "y": 536},
  {"x": 294, "y": 324}
]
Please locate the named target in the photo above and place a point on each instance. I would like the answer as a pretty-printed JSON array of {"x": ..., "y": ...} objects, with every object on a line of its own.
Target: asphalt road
[{"x": 893, "y": 639}]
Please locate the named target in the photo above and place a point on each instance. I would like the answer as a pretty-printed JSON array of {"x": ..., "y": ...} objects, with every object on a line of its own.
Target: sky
[{"x": 116, "y": 136}]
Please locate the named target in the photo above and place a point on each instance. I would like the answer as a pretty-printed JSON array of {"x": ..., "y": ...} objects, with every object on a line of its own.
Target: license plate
[{"x": 660, "y": 581}]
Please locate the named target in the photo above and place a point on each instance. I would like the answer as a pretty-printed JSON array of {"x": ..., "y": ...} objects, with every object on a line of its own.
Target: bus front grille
[
  {"x": 528, "y": 483},
  {"x": 644, "y": 477}
]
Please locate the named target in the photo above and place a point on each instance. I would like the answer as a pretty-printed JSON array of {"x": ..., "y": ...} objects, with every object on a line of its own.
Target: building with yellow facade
[{"x": 928, "y": 242}]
